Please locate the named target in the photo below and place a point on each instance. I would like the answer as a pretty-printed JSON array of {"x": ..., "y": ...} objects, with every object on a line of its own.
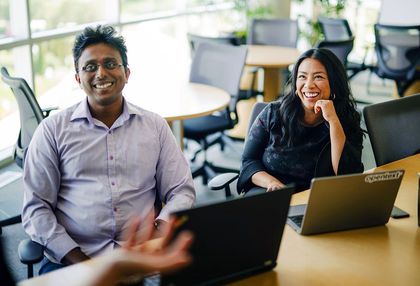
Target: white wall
[{"x": 400, "y": 12}]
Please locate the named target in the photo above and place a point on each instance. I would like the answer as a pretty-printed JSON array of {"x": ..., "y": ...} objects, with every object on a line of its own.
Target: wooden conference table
[
  {"x": 384, "y": 255},
  {"x": 271, "y": 59},
  {"x": 184, "y": 101},
  {"x": 177, "y": 102}
]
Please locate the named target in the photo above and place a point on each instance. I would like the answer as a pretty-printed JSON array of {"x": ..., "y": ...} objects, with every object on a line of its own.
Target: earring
[
  {"x": 296, "y": 93},
  {"x": 332, "y": 97}
]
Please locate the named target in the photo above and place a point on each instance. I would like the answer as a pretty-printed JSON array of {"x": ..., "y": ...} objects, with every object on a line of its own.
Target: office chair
[
  {"x": 338, "y": 30},
  {"x": 247, "y": 86},
  {"x": 31, "y": 116},
  {"x": 392, "y": 128},
  {"x": 30, "y": 113},
  {"x": 223, "y": 181},
  {"x": 340, "y": 48},
  {"x": 335, "y": 29},
  {"x": 398, "y": 51},
  {"x": 194, "y": 40},
  {"x": 273, "y": 32},
  {"x": 220, "y": 66}
]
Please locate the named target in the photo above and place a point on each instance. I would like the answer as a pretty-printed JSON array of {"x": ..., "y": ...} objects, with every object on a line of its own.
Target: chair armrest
[
  {"x": 47, "y": 110},
  {"x": 221, "y": 181},
  {"x": 30, "y": 252}
]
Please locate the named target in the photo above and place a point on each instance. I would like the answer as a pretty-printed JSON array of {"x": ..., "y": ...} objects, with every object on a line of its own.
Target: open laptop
[
  {"x": 233, "y": 239},
  {"x": 346, "y": 202}
]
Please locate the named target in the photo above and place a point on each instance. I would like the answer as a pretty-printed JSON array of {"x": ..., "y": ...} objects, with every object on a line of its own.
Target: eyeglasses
[{"x": 94, "y": 67}]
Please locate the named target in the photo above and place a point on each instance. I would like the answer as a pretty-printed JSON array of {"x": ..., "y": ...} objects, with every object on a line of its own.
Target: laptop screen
[{"x": 233, "y": 239}]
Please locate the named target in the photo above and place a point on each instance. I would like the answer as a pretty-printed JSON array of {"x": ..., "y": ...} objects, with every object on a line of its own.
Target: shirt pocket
[{"x": 139, "y": 166}]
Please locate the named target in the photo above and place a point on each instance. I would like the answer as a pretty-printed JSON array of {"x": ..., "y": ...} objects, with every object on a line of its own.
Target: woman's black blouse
[{"x": 310, "y": 155}]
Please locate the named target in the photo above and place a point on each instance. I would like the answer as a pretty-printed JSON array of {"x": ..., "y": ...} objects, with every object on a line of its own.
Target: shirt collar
[{"x": 82, "y": 111}]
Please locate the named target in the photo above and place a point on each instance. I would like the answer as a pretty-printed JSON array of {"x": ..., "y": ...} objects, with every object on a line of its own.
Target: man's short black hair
[{"x": 96, "y": 35}]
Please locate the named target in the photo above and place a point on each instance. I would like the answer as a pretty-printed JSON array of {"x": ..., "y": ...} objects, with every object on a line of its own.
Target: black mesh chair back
[
  {"x": 30, "y": 112},
  {"x": 335, "y": 29},
  {"x": 393, "y": 129},
  {"x": 219, "y": 66},
  {"x": 340, "y": 48},
  {"x": 274, "y": 32},
  {"x": 338, "y": 36},
  {"x": 31, "y": 115},
  {"x": 398, "y": 53},
  {"x": 247, "y": 90},
  {"x": 195, "y": 40}
]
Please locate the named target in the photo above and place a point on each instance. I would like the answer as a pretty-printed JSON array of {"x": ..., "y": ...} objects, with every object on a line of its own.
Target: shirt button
[
  {"x": 115, "y": 209},
  {"x": 113, "y": 183},
  {"x": 109, "y": 132},
  {"x": 111, "y": 157}
]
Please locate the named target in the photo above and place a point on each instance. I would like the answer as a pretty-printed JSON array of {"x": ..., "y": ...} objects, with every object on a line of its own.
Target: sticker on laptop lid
[{"x": 387, "y": 176}]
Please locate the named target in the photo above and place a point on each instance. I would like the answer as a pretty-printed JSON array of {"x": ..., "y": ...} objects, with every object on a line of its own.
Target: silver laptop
[{"x": 347, "y": 202}]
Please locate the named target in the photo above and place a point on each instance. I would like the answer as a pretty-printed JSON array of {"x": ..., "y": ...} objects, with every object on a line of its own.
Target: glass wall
[
  {"x": 47, "y": 15},
  {"x": 361, "y": 15},
  {"x": 43, "y": 55},
  {"x": 52, "y": 60},
  {"x": 4, "y": 19},
  {"x": 8, "y": 106},
  {"x": 132, "y": 9}
]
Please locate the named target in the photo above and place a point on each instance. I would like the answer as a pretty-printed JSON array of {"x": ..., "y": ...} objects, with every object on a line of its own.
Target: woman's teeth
[{"x": 311, "y": 94}]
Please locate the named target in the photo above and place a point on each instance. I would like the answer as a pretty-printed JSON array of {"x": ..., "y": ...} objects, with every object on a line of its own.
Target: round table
[
  {"x": 271, "y": 59},
  {"x": 175, "y": 103},
  {"x": 178, "y": 101}
]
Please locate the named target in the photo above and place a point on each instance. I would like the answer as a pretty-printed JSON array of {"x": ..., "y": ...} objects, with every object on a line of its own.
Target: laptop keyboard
[{"x": 297, "y": 219}]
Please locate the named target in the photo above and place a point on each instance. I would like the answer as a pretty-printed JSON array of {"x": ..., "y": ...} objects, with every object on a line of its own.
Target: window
[
  {"x": 47, "y": 15},
  {"x": 8, "y": 106},
  {"x": 4, "y": 19},
  {"x": 52, "y": 61},
  {"x": 43, "y": 55},
  {"x": 131, "y": 9}
]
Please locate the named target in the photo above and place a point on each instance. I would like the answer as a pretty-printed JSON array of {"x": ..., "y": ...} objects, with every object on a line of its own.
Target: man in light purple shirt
[{"x": 92, "y": 166}]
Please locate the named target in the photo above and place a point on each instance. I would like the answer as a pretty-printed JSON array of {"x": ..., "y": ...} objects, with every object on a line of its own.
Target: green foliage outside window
[
  {"x": 4, "y": 18},
  {"x": 252, "y": 9},
  {"x": 46, "y": 15},
  {"x": 327, "y": 8}
]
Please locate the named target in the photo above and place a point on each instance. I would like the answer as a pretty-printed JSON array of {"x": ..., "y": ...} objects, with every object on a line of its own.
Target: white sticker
[{"x": 395, "y": 175}]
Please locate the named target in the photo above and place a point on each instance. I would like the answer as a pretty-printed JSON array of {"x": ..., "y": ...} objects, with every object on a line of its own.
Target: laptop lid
[
  {"x": 348, "y": 201},
  {"x": 233, "y": 239}
]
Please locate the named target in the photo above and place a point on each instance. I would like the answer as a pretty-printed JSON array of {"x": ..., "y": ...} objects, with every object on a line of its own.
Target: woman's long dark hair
[{"x": 291, "y": 110}]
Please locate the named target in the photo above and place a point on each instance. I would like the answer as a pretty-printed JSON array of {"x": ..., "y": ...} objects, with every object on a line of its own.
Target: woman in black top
[{"x": 312, "y": 131}]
